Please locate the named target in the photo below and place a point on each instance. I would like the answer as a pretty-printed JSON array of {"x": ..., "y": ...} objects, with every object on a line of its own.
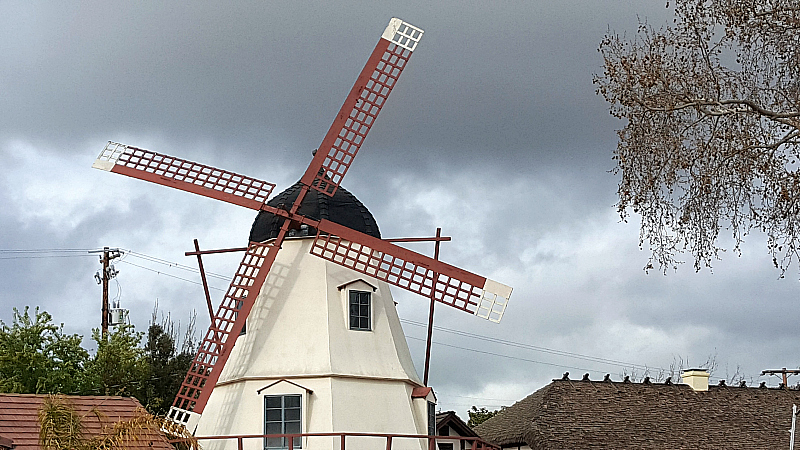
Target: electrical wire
[
  {"x": 504, "y": 356},
  {"x": 44, "y": 253},
  {"x": 551, "y": 351},
  {"x": 174, "y": 264},
  {"x": 170, "y": 275}
]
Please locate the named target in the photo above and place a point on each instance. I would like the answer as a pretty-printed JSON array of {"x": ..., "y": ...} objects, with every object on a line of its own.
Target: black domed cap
[{"x": 343, "y": 208}]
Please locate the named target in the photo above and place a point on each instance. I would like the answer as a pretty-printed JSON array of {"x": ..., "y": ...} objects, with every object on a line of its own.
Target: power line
[
  {"x": 37, "y": 256},
  {"x": 43, "y": 250},
  {"x": 174, "y": 264},
  {"x": 170, "y": 275},
  {"x": 504, "y": 356},
  {"x": 43, "y": 253},
  {"x": 82, "y": 252},
  {"x": 551, "y": 351}
]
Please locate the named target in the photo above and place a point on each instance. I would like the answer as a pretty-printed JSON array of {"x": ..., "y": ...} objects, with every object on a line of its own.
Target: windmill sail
[
  {"x": 411, "y": 271},
  {"x": 358, "y": 113},
  {"x": 222, "y": 333},
  {"x": 184, "y": 175}
]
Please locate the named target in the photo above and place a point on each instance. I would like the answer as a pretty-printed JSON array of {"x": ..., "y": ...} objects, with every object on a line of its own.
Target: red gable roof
[{"x": 19, "y": 419}]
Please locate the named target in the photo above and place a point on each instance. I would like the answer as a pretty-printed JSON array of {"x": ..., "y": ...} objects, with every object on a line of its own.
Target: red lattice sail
[
  {"x": 184, "y": 175},
  {"x": 361, "y": 107},
  {"x": 223, "y": 332},
  {"x": 411, "y": 271}
]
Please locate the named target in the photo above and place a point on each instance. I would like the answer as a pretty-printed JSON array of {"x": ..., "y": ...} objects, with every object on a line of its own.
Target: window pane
[
  {"x": 297, "y": 442},
  {"x": 274, "y": 428},
  {"x": 364, "y": 311},
  {"x": 292, "y": 427},
  {"x": 274, "y": 401},
  {"x": 291, "y": 401},
  {"x": 273, "y": 415},
  {"x": 292, "y": 414},
  {"x": 364, "y": 325},
  {"x": 274, "y": 442}
]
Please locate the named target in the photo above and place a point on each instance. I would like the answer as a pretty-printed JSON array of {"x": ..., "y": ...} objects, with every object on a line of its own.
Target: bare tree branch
[{"x": 712, "y": 134}]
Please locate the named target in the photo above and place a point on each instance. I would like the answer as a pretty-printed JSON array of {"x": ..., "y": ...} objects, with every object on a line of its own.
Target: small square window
[{"x": 360, "y": 311}]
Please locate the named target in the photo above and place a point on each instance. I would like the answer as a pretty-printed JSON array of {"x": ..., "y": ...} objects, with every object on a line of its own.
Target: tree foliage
[
  {"x": 479, "y": 415},
  {"x": 167, "y": 363},
  {"x": 119, "y": 366},
  {"x": 712, "y": 134},
  {"x": 37, "y": 357}
]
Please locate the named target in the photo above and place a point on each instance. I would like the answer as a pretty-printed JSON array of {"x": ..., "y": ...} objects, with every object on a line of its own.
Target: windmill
[{"x": 355, "y": 250}]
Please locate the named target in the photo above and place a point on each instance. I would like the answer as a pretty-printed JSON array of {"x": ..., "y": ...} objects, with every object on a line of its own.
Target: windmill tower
[{"x": 323, "y": 349}]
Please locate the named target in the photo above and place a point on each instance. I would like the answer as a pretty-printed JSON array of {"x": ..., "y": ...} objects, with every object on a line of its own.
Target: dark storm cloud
[{"x": 491, "y": 83}]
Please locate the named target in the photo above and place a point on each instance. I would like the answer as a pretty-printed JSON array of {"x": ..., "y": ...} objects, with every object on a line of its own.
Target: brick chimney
[{"x": 696, "y": 378}]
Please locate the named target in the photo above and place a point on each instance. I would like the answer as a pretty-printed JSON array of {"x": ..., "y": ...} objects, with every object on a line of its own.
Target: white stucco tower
[{"x": 323, "y": 351}]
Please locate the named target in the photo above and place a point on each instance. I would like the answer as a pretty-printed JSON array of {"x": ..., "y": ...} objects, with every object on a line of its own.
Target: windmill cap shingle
[{"x": 343, "y": 208}]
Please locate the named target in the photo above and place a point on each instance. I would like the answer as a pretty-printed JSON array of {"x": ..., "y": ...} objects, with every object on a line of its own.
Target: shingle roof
[
  {"x": 451, "y": 419},
  {"x": 19, "y": 418},
  {"x": 613, "y": 415}
]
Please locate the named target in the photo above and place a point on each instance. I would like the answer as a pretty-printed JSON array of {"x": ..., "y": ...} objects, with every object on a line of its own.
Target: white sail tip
[
  {"x": 493, "y": 301},
  {"x": 403, "y": 34}
]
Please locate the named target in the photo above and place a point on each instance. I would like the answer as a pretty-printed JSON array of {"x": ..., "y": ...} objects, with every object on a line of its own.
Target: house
[
  {"x": 19, "y": 419},
  {"x": 584, "y": 414},
  {"x": 449, "y": 424}
]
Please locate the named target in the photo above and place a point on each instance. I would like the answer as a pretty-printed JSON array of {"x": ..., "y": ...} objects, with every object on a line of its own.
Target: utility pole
[
  {"x": 783, "y": 372},
  {"x": 103, "y": 277}
]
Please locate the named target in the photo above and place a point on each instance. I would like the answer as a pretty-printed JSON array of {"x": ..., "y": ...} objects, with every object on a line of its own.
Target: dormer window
[{"x": 360, "y": 310}]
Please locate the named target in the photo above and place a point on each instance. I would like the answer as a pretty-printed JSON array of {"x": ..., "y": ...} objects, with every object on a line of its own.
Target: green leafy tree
[
  {"x": 479, "y": 415},
  {"x": 119, "y": 367},
  {"x": 37, "y": 357},
  {"x": 167, "y": 366},
  {"x": 711, "y": 136}
]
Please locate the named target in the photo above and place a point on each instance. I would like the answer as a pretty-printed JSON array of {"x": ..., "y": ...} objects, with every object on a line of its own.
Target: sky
[{"x": 494, "y": 133}]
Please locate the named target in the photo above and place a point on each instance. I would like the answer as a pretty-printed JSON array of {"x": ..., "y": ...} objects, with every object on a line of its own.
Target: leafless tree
[{"x": 711, "y": 141}]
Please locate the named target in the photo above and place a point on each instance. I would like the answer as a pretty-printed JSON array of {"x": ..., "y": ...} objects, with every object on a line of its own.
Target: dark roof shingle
[{"x": 610, "y": 415}]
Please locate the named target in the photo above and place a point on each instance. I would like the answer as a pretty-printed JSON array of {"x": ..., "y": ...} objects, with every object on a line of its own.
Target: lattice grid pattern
[
  {"x": 152, "y": 166},
  {"x": 407, "y": 36},
  {"x": 447, "y": 287},
  {"x": 222, "y": 334},
  {"x": 491, "y": 306},
  {"x": 360, "y": 117}
]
